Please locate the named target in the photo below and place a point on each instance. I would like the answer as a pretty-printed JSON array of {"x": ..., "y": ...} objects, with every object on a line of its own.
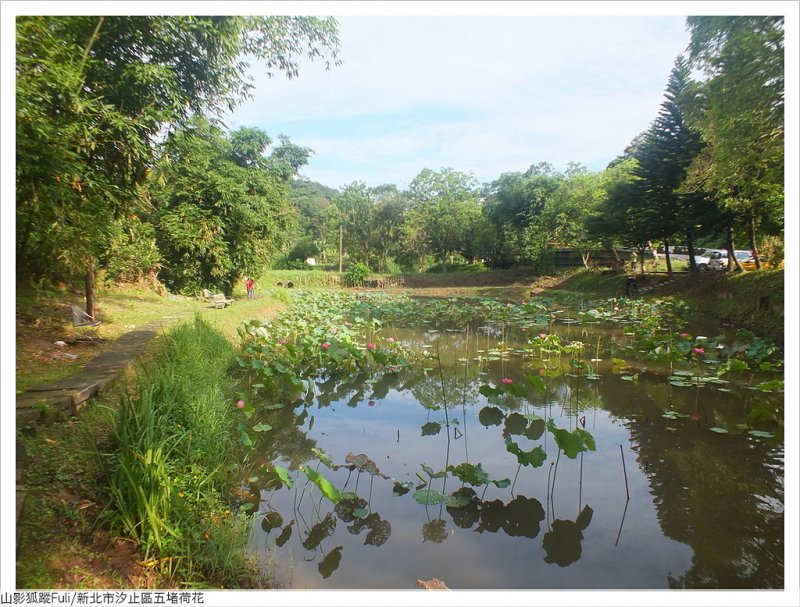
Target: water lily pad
[
  {"x": 718, "y": 430},
  {"x": 362, "y": 463},
  {"x": 428, "y": 497},
  {"x": 761, "y": 433},
  {"x": 470, "y": 473},
  {"x": 271, "y": 520},
  {"x": 456, "y": 500}
]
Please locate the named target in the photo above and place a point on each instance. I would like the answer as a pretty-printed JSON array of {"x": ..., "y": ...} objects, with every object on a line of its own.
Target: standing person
[
  {"x": 250, "y": 285},
  {"x": 634, "y": 260}
]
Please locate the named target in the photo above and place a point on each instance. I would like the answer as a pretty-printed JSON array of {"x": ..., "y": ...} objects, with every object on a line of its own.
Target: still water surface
[{"x": 661, "y": 503}]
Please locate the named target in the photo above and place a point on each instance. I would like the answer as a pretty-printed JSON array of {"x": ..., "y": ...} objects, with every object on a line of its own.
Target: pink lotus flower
[
  {"x": 542, "y": 335},
  {"x": 325, "y": 346},
  {"x": 240, "y": 404},
  {"x": 699, "y": 351},
  {"x": 370, "y": 346},
  {"x": 334, "y": 330},
  {"x": 281, "y": 342},
  {"x": 508, "y": 380},
  {"x": 390, "y": 340},
  {"x": 347, "y": 324},
  {"x": 684, "y": 335}
]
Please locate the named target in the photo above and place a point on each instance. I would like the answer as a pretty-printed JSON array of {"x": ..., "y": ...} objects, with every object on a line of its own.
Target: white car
[
  {"x": 680, "y": 253},
  {"x": 719, "y": 258}
]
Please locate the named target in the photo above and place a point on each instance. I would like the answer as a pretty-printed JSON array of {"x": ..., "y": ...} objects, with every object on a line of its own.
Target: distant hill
[{"x": 311, "y": 199}]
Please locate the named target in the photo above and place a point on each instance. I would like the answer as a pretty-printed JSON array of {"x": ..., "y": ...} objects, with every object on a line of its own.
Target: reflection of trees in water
[
  {"x": 720, "y": 494},
  {"x": 287, "y": 440}
]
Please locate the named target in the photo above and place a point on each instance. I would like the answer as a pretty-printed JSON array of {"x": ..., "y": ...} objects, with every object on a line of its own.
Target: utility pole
[{"x": 341, "y": 241}]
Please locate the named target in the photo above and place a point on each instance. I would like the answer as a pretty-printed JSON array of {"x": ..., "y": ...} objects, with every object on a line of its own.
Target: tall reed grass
[{"x": 170, "y": 477}]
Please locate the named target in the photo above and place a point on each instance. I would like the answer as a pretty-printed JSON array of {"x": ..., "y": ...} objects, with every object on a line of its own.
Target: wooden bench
[{"x": 220, "y": 301}]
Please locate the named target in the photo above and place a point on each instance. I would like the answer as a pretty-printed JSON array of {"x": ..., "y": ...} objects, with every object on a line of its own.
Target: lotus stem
[{"x": 624, "y": 472}]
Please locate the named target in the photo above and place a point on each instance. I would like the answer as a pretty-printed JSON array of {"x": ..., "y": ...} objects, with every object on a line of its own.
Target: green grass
[
  {"x": 66, "y": 490},
  {"x": 173, "y": 449},
  {"x": 44, "y": 317}
]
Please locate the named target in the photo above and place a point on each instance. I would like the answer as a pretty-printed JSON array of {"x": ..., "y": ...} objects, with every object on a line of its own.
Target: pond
[{"x": 539, "y": 448}]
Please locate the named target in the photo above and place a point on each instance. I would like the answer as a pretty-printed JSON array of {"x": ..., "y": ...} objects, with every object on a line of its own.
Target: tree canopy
[{"x": 95, "y": 93}]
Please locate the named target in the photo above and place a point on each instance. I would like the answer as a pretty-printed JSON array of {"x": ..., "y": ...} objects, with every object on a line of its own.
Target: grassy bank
[
  {"x": 748, "y": 300},
  {"x": 44, "y": 318},
  {"x": 159, "y": 467}
]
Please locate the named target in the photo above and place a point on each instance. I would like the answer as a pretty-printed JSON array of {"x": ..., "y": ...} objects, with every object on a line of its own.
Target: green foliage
[
  {"x": 222, "y": 213},
  {"x": 321, "y": 334},
  {"x": 444, "y": 213},
  {"x": 329, "y": 490},
  {"x": 571, "y": 443},
  {"x": 744, "y": 132},
  {"x": 172, "y": 447},
  {"x": 533, "y": 458},
  {"x": 94, "y": 92},
  {"x": 356, "y": 274},
  {"x": 132, "y": 253}
]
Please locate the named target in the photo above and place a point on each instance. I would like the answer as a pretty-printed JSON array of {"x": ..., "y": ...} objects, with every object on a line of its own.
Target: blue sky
[{"x": 482, "y": 95}]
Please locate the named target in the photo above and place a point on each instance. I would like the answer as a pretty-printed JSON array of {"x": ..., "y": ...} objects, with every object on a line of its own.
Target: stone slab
[{"x": 30, "y": 400}]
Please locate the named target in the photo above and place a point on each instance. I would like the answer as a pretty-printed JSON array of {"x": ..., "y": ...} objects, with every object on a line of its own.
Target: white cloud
[{"x": 487, "y": 95}]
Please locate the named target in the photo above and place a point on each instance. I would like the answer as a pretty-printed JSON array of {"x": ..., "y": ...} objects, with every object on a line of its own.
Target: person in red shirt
[{"x": 250, "y": 285}]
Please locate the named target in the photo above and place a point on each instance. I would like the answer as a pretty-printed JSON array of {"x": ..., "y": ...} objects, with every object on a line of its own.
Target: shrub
[{"x": 356, "y": 274}]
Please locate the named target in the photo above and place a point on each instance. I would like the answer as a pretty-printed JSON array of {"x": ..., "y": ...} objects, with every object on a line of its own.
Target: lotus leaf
[
  {"x": 331, "y": 562},
  {"x": 428, "y": 497},
  {"x": 328, "y": 489},
  {"x": 534, "y": 458}
]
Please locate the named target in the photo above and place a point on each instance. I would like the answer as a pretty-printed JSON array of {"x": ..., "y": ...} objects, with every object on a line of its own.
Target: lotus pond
[{"x": 525, "y": 445}]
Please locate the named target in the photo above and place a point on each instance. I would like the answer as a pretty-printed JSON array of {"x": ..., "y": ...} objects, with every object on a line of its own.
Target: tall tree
[
  {"x": 446, "y": 209},
  {"x": 740, "y": 112},
  {"x": 94, "y": 92},
  {"x": 350, "y": 215},
  {"x": 221, "y": 209},
  {"x": 388, "y": 217},
  {"x": 663, "y": 159}
]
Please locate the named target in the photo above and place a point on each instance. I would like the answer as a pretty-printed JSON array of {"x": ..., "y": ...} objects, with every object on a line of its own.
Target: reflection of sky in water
[
  {"x": 467, "y": 559},
  {"x": 637, "y": 552}
]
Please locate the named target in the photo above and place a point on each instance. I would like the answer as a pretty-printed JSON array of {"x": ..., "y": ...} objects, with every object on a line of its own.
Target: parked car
[
  {"x": 750, "y": 264},
  {"x": 719, "y": 258},
  {"x": 681, "y": 253}
]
